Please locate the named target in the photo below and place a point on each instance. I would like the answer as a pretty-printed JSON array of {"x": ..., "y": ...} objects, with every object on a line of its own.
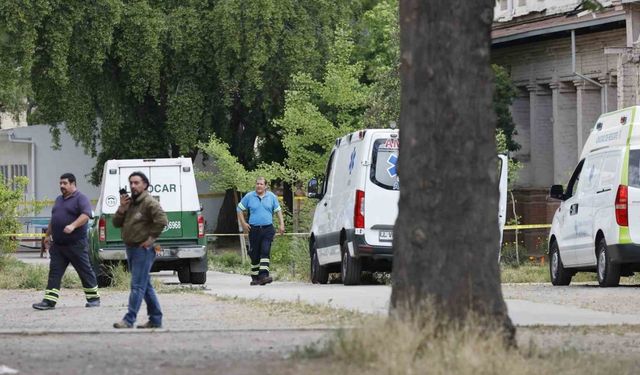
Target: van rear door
[{"x": 382, "y": 190}]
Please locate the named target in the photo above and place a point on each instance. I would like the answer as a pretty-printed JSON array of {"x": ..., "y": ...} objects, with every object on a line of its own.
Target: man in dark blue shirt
[{"x": 68, "y": 233}]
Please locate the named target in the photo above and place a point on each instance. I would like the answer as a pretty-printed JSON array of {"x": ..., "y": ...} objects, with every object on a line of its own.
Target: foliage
[
  {"x": 318, "y": 112},
  {"x": 151, "y": 79},
  {"x": 11, "y": 197},
  {"x": 503, "y": 96},
  {"x": 502, "y": 148}
]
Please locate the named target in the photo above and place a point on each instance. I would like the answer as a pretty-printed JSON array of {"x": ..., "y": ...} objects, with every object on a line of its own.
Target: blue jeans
[{"x": 140, "y": 260}]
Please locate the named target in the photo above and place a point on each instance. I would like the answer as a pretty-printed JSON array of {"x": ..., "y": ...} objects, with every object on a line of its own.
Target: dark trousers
[
  {"x": 260, "y": 238},
  {"x": 78, "y": 255}
]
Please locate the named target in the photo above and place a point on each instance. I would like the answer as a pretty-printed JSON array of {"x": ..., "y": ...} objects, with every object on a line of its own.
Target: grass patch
[
  {"x": 15, "y": 274},
  {"x": 284, "y": 308},
  {"x": 540, "y": 274},
  {"x": 388, "y": 346},
  {"x": 289, "y": 260}
]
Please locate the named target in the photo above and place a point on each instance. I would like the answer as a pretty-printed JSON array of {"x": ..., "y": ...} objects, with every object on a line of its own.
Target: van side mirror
[
  {"x": 557, "y": 192},
  {"x": 312, "y": 189}
]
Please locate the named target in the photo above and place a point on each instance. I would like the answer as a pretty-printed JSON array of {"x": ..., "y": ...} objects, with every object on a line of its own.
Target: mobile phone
[{"x": 123, "y": 191}]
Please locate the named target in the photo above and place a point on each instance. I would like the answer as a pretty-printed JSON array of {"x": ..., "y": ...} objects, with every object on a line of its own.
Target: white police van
[
  {"x": 597, "y": 226},
  {"x": 173, "y": 184},
  {"x": 352, "y": 228}
]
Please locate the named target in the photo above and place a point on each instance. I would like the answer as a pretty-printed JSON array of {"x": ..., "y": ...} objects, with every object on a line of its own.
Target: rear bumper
[
  {"x": 168, "y": 253},
  {"x": 624, "y": 253},
  {"x": 364, "y": 249}
]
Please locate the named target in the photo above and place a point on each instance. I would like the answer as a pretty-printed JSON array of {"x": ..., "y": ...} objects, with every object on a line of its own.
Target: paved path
[{"x": 374, "y": 299}]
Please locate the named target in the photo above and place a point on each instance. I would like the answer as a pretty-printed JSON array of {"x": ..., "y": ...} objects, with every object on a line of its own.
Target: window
[
  {"x": 11, "y": 171},
  {"x": 572, "y": 186},
  {"x": 327, "y": 174},
  {"x": 590, "y": 175},
  {"x": 634, "y": 168},
  {"x": 384, "y": 163},
  {"x": 609, "y": 171}
]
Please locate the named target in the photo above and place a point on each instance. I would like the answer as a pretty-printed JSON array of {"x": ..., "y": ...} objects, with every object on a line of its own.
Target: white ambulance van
[
  {"x": 352, "y": 229},
  {"x": 597, "y": 226},
  {"x": 172, "y": 182}
]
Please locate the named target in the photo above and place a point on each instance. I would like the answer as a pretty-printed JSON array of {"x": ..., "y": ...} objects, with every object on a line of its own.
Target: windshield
[{"x": 384, "y": 163}]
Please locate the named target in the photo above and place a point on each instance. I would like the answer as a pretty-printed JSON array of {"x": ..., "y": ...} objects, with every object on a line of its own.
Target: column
[
  {"x": 588, "y": 110},
  {"x": 565, "y": 138},
  {"x": 521, "y": 114},
  {"x": 541, "y": 113}
]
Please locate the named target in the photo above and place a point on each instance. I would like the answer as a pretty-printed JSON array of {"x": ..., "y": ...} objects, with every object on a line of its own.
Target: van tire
[
  {"x": 319, "y": 274},
  {"x": 104, "y": 277},
  {"x": 559, "y": 275},
  {"x": 608, "y": 272},
  {"x": 351, "y": 267},
  {"x": 198, "y": 278},
  {"x": 184, "y": 274}
]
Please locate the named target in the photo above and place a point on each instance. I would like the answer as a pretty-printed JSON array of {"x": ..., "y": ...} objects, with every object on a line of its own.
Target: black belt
[{"x": 261, "y": 226}]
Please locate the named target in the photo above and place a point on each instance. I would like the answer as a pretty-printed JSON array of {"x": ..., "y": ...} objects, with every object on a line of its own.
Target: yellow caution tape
[
  {"x": 22, "y": 235},
  {"x": 527, "y": 226}
]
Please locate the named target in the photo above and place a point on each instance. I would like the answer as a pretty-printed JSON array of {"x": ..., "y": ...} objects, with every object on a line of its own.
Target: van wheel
[
  {"x": 559, "y": 274},
  {"x": 319, "y": 274},
  {"x": 184, "y": 276},
  {"x": 608, "y": 272},
  {"x": 351, "y": 267},
  {"x": 104, "y": 277},
  {"x": 198, "y": 277}
]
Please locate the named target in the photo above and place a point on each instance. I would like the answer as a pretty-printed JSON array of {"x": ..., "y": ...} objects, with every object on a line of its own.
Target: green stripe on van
[{"x": 623, "y": 236}]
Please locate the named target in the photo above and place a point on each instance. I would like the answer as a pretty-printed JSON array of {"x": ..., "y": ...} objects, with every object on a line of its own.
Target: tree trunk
[
  {"x": 446, "y": 234},
  {"x": 227, "y": 217}
]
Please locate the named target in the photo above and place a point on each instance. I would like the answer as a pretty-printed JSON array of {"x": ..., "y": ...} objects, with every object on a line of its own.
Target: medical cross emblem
[
  {"x": 352, "y": 161},
  {"x": 393, "y": 162}
]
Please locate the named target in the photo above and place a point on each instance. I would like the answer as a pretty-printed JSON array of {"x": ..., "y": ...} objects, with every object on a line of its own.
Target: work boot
[
  {"x": 264, "y": 280},
  {"x": 93, "y": 303},
  {"x": 254, "y": 281},
  {"x": 122, "y": 324},
  {"x": 44, "y": 305},
  {"x": 148, "y": 325}
]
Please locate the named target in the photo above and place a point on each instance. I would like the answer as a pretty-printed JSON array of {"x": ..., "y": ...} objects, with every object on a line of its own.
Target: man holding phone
[{"x": 142, "y": 220}]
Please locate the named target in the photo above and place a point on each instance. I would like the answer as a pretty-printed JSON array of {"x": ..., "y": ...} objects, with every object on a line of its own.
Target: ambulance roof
[
  {"x": 614, "y": 129},
  {"x": 147, "y": 162}
]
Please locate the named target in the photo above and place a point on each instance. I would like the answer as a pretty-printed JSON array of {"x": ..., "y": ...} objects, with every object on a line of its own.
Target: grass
[
  {"x": 15, "y": 274},
  {"x": 530, "y": 273},
  {"x": 389, "y": 346}
]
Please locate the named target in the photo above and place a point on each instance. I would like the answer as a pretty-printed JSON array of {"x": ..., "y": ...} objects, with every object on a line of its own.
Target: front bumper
[
  {"x": 168, "y": 253},
  {"x": 624, "y": 253}
]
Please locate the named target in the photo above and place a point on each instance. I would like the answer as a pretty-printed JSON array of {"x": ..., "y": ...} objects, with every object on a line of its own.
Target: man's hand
[
  {"x": 146, "y": 244},
  {"x": 246, "y": 227},
  {"x": 125, "y": 202},
  {"x": 281, "y": 230},
  {"x": 47, "y": 241},
  {"x": 69, "y": 228}
]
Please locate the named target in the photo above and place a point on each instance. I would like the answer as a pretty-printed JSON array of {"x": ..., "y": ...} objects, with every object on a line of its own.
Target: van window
[
  {"x": 590, "y": 175},
  {"x": 572, "y": 186},
  {"x": 384, "y": 163},
  {"x": 634, "y": 168},
  {"x": 608, "y": 172},
  {"x": 327, "y": 175}
]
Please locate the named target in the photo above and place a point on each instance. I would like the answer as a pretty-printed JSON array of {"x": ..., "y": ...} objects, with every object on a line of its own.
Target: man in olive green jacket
[{"x": 142, "y": 220}]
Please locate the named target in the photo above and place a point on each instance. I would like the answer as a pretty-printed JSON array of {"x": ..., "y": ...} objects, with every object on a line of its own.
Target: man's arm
[
  {"x": 243, "y": 222},
  {"x": 118, "y": 218},
  {"x": 47, "y": 235},
  {"x": 80, "y": 221},
  {"x": 158, "y": 222},
  {"x": 281, "y": 219}
]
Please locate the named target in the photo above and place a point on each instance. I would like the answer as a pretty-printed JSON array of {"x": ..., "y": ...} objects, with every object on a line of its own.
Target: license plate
[{"x": 385, "y": 235}]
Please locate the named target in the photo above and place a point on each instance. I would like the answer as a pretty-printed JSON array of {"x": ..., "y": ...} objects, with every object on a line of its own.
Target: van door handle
[
  {"x": 603, "y": 190},
  {"x": 574, "y": 209},
  {"x": 325, "y": 204}
]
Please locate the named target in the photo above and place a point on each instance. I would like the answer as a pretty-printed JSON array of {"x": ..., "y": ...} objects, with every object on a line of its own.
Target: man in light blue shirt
[{"x": 261, "y": 204}]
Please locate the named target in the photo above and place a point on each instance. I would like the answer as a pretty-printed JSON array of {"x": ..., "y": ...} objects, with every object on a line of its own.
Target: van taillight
[
  {"x": 200, "y": 226},
  {"x": 358, "y": 211},
  {"x": 102, "y": 229},
  {"x": 622, "y": 206}
]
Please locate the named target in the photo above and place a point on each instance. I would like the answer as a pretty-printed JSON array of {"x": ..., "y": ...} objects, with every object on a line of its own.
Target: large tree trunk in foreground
[{"x": 446, "y": 236}]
